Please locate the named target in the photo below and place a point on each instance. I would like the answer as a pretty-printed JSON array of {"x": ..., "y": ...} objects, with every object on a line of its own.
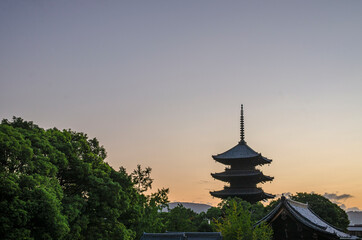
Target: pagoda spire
[{"x": 242, "y": 135}]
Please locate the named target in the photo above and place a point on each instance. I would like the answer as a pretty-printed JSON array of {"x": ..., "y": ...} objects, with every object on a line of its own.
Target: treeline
[{"x": 55, "y": 184}]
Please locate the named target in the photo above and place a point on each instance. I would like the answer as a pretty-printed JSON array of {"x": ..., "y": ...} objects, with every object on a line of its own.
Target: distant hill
[
  {"x": 355, "y": 217},
  {"x": 196, "y": 207}
]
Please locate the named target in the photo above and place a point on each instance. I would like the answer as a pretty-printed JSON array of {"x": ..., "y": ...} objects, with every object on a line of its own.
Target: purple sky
[{"x": 160, "y": 83}]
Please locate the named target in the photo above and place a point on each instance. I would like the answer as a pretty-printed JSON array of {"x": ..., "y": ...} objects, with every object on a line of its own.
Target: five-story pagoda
[{"x": 242, "y": 174}]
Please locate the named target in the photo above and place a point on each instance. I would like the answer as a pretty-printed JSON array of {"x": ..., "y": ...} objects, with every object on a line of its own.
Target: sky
[{"x": 160, "y": 83}]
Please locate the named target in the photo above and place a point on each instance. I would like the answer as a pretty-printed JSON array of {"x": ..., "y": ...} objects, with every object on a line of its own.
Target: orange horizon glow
[{"x": 320, "y": 165}]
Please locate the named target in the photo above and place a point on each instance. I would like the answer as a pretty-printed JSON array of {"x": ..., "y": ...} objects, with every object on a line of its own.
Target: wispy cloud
[
  {"x": 339, "y": 198},
  {"x": 336, "y": 197},
  {"x": 348, "y": 209},
  {"x": 353, "y": 209}
]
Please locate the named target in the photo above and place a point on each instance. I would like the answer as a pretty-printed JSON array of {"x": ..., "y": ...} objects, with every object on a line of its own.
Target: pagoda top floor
[{"x": 240, "y": 151}]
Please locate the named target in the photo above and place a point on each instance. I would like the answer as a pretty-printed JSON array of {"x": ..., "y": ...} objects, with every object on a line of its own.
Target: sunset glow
[{"x": 160, "y": 83}]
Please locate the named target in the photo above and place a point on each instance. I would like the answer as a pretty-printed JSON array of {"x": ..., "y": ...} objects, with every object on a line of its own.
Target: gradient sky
[{"x": 160, "y": 84}]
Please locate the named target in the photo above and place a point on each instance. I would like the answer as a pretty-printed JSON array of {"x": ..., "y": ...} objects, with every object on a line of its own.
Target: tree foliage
[
  {"x": 56, "y": 185},
  {"x": 31, "y": 197},
  {"x": 256, "y": 210},
  {"x": 142, "y": 178},
  {"x": 181, "y": 219},
  {"x": 237, "y": 223}
]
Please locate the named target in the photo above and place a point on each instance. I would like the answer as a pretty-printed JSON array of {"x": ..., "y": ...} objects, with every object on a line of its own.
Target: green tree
[
  {"x": 237, "y": 223},
  {"x": 142, "y": 178},
  {"x": 203, "y": 223},
  {"x": 213, "y": 213},
  {"x": 181, "y": 219},
  {"x": 30, "y": 200},
  {"x": 256, "y": 210},
  {"x": 149, "y": 216},
  {"x": 97, "y": 198},
  {"x": 56, "y": 185},
  {"x": 324, "y": 208}
]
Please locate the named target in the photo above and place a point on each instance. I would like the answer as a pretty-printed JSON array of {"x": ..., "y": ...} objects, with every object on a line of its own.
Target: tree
[
  {"x": 256, "y": 210},
  {"x": 142, "y": 178},
  {"x": 237, "y": 224},
  {"x": 213, "y": 213},
  {"x": 181, "y": 219},
  {"x": 324, "y": 208},
  {"x": 97, "y": 198},
  {"x": 149, "y": 216},
  {"x": 203, "y": 223},
  {"x": 30, "y": 200},
  {"x": 56, "y": 185}
]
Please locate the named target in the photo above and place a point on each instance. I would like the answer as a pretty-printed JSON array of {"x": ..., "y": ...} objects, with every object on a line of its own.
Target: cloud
[
  {"x": 339, "y": 198},
  {"x": 353, "y": 209},
  {"x": 336, "y": 197}
]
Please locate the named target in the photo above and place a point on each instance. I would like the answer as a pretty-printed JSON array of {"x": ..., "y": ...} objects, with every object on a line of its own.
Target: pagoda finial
[{"x": 242, "y": 124}]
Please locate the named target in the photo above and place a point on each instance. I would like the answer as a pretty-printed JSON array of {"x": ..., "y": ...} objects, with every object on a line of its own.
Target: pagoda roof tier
[
  {"x": 241, "y": 152},
  {"x": 248, "y": 194},
  {"x": 242, "y": 174},
  {"x": 258, "y": 160}
]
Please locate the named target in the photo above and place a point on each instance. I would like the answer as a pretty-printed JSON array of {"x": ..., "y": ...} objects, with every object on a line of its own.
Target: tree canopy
[{"x": 56, "y": 185}]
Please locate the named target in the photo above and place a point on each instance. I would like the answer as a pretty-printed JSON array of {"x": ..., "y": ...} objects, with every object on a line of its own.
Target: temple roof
[
  {"x": 303, "y": 214},
  {"x": 182, "y": 236},
  {"x": 240, "y": 151}
]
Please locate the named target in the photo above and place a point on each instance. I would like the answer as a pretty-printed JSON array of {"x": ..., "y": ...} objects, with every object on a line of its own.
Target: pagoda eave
[
  {"x": 254, "y": 176},
  {"x": 257, "y": 160},
  {"x": 251, "y": 195}
]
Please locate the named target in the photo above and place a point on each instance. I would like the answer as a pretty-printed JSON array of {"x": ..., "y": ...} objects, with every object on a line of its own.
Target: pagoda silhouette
[{"x": 242, "y": 174}]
